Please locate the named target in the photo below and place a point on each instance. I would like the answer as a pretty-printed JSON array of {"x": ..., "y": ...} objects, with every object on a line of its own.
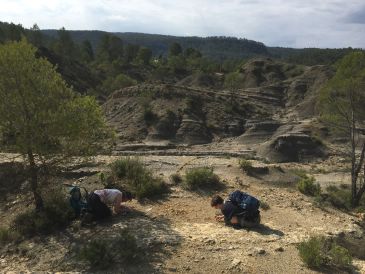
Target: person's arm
[{"x": 117, "y": 206}]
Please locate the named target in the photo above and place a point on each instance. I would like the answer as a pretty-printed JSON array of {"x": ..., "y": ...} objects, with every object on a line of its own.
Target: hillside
[{"x": 217, "y": 48}]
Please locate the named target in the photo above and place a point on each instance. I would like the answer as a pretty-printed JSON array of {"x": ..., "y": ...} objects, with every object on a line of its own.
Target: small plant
[
  {"x": 312, "y": 252},
  {"x": 97, "y": 253},
  {"x": 245, "y": 165},
  {"x": 339, "y": 197},
  {"x": 103, "y": 252},
  {"x": 317, "y": 252},
  {"x": 176, "y": 178},
  {"x": 137, "y": 177},
  {"x": 308, "y": 186},
  {"x": 264, "y": 205},
  {"x": 200, "y": 177},
  {"x": 340, "y": 256}
]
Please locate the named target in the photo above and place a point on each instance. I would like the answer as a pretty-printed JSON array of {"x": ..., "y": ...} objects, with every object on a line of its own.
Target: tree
[
  {"x": 131, "y": 52},
  {"x": 342, "y": 107},
  {"x": 36, "y": 37},
  {"x": 144, "y": 55},
  {"x": 87, "y": 51},
  {"x": 40, "y": 117},
  {"x": 175, "y": 49},
  {"x": 64, "y": 46}
]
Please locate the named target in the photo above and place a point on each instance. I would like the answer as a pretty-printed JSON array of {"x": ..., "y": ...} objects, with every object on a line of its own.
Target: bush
[
  {"x": 308, "y": 186},
  {"x": 149, "y": 117},
  {"x": 340, "y": 256},
  {"x": 245, "y": 165},
  {"x": 57, "y": 213},
  {"x": 104, "y": 252},
  {"x": 318, "y": 252},
  {"x": 312, "y": 252},
  {"x": 176, "y": 178},
  {"x": 339, "y": 197},
  {"x": 7, "y": 235},
  {"x": 137, "y": 177},
  {"x": 97, "y": 253},
  {"x": 200, "y": 177}
]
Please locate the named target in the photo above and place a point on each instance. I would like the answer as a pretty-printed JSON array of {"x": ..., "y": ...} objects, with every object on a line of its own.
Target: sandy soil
[{"x": 179, "y": 233}]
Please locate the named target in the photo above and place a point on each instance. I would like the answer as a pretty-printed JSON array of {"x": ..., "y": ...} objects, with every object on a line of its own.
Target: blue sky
[{"x": 294, "y": 23}]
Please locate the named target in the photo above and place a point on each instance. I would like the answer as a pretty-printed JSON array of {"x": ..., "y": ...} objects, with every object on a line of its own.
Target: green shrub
[
  {"x": 264, "y": 205},
  {"x": 200, "y": 177},
  {"x": 339, "y": 197},
  {"x": 312, "y": 252},
  {"x": 176, "y": 178},
  {"x": 245, "y": 165},
  {"x": 137, "y": 178},
  {"x": 103, "y": 252},
  {"x": 308, "y": 186},
  {"x": 340, "y": 256},
  {"x": 56, "y": 214},
  {"x": 7, "y": 235},
  {"x": 318, "y": 252},
  {"x": 149, "y": 117},
  {"x": 97, "y": 253}
]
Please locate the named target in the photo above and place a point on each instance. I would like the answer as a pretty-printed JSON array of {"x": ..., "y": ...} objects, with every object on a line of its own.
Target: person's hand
[{"x": 219, "y": 218}]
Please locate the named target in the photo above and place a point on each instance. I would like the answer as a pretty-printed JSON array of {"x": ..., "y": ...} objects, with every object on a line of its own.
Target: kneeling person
[
  {"x": 100, "y": 199},
  {"x": 239, "y": 209}
]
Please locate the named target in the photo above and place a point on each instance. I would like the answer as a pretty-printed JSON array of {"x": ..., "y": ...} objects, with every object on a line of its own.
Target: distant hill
[{"x": 217, "y": 48}]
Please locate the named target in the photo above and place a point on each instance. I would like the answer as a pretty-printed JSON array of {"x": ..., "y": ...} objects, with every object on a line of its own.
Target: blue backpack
[
  {"x": 244, "y": 201},
  {"x": 77, "y": 201}
]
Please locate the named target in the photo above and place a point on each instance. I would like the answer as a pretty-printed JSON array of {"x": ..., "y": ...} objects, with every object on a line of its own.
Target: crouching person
[
  {"x": 239, "y": 210},
  {"x": 100, "y": 200}
]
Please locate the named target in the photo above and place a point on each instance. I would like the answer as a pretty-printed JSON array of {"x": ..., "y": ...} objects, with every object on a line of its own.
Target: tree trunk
[
  {"x": 353, "y": 162},
  {"x": 33, "y": 172}
]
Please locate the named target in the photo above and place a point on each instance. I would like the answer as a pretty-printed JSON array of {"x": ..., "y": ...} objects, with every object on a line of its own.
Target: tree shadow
[{"x": 155, "y": 238}]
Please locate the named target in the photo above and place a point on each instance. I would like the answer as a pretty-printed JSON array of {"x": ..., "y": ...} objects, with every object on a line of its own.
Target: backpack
[
  {"x": 244, "y": 201},
  {"x": 77, "y": 201}
]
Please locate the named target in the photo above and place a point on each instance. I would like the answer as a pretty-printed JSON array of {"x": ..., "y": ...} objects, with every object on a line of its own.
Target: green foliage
[
  {"x": 234, "y": 80},
  {"x": 318, "y": 252},
  {"x": 137, "y": 178},
  {"x": 175, "y": 49},
  {"x": 56, "y": 214},
  {"x": 39, "y": 109},
  {"x": 312, "y": 252},
  {"x": 7, "y": 235},
  {"x": 200, "y": 177},
  {"x": 114, "y": 83},
  {"x": 103, "y": 252},
  {"x": 149, "y": 116},
  {"x": 264, "y": 205},
  {"x": 344, "y": 93},
  {"x": 144, "y": 55},
  {"x": 339, "y": 197},
  {"x": 308, "y": 186},
  {"x": 245, "y": 165},
  {"x": 340, "y": 256}
]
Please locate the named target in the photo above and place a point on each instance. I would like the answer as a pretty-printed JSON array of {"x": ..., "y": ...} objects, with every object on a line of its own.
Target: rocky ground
[{"x": 178, "y": 233}]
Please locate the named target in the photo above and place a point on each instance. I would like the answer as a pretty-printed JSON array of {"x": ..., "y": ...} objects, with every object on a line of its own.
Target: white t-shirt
[{"x": 110, "y": 196}]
